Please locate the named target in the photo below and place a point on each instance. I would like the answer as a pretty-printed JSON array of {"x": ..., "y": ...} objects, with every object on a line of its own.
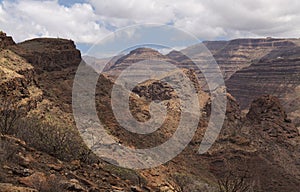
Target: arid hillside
[{"x": 41, "y": 149}]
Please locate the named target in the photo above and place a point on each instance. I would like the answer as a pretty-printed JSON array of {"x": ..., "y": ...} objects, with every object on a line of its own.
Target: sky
[{"x": 88, "y": 22}]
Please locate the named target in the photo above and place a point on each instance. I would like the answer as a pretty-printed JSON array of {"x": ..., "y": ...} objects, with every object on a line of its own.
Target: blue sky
[
  {"x": 88, "y": 22},
  {"x": 70, "y": 2}
]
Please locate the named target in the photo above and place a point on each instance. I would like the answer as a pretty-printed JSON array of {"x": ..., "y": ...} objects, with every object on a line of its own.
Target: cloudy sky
[{"x": 89, "y": 21}]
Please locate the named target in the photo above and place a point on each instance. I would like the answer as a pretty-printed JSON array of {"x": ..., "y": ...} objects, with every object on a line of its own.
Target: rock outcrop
[
  {"x": 17, "y": 75},
  {"x": 5, "y": 40},
  {"x": 270, "y": 114},
  {"x": 55, "y": 62},
  {"x": 48, "y": 54}
]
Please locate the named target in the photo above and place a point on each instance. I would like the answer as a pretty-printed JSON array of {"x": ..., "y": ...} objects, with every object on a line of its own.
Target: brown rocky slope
[
  {"x": 40, "y": 73},
  {"x": 263, "y": 146},
  {"x": 258, "y": 145}
]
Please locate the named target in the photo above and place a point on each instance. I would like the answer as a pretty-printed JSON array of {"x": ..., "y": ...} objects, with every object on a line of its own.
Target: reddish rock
[{"x": 35, "y": 180}]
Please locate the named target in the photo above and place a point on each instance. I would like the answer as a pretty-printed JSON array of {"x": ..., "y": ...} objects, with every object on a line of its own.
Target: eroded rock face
[
  {"x": 241, "y": 53},
  {"x": 277, "y": 74},
  {"x": 234, "y": 55},
  {"x": 250, "y": 145},
  {"x": 266, "y": 107},
  {"x": 55, "y": 62},
  {"x": 5, "y": 41},
  {"x": 49, "y": 54},
  {"x": 269, "y": 113}
]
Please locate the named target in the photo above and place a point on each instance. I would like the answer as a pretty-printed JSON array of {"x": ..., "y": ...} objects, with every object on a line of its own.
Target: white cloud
[
  {"x": 27, "y": 19},
  {"x": 256, "y": 17},
  {"x": 207, "y": 19},
  {"x": 132, "y": 11},
  {"x": 165, "y": 51}
]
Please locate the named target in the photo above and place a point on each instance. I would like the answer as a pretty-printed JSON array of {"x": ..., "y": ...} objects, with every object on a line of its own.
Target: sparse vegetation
[
  {"x": 188, "y": 182},
  {"x": 61, "y": 141},
  {"x": 235, "y": 181},
  {"x": 10, "y": 114},
  {"x": 7, "y": 151}
]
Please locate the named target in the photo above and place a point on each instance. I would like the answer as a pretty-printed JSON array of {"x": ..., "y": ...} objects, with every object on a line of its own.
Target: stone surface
[
  {"x": 6, "y": 187},
  {"x": 5, "y": 40}
]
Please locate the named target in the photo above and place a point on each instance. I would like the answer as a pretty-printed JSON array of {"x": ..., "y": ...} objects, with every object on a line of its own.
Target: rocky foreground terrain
[{"x": 42, "y": 151}]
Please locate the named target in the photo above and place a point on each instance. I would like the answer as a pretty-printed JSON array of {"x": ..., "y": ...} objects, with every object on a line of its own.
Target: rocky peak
[
  {"x": 143, "y": 50},
  {"x": 265, "y": 107},
  {"x": 140, "y": 54},
  {"x": 268, "y": 112},
  {"x": 137, "y": 55},
  {"x": 5, "y": 40}
]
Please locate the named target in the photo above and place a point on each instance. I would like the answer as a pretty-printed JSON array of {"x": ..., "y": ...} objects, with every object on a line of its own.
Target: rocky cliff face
[
  {"x": 49, "y": 54},
  {"x": 16, "y": 75},
  {"x": 240, "y": 53},
  {"x": 55, "y": 63},
  {"x": 259, "y": 147},
  {"x": 237, "y": 54},
  {"x": 5, "y": 40},
  {"x": 277, "y": 74}
]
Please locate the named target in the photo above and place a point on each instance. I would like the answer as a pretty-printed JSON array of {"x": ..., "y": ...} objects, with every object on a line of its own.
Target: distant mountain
[
  {"x": 101, "y": 65},
  {"x": 236, "y": 54},
  {"x": 231, "y": 56},
  {"x": 137, "y": 55},
  {"x": 277, "y": 73}
]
